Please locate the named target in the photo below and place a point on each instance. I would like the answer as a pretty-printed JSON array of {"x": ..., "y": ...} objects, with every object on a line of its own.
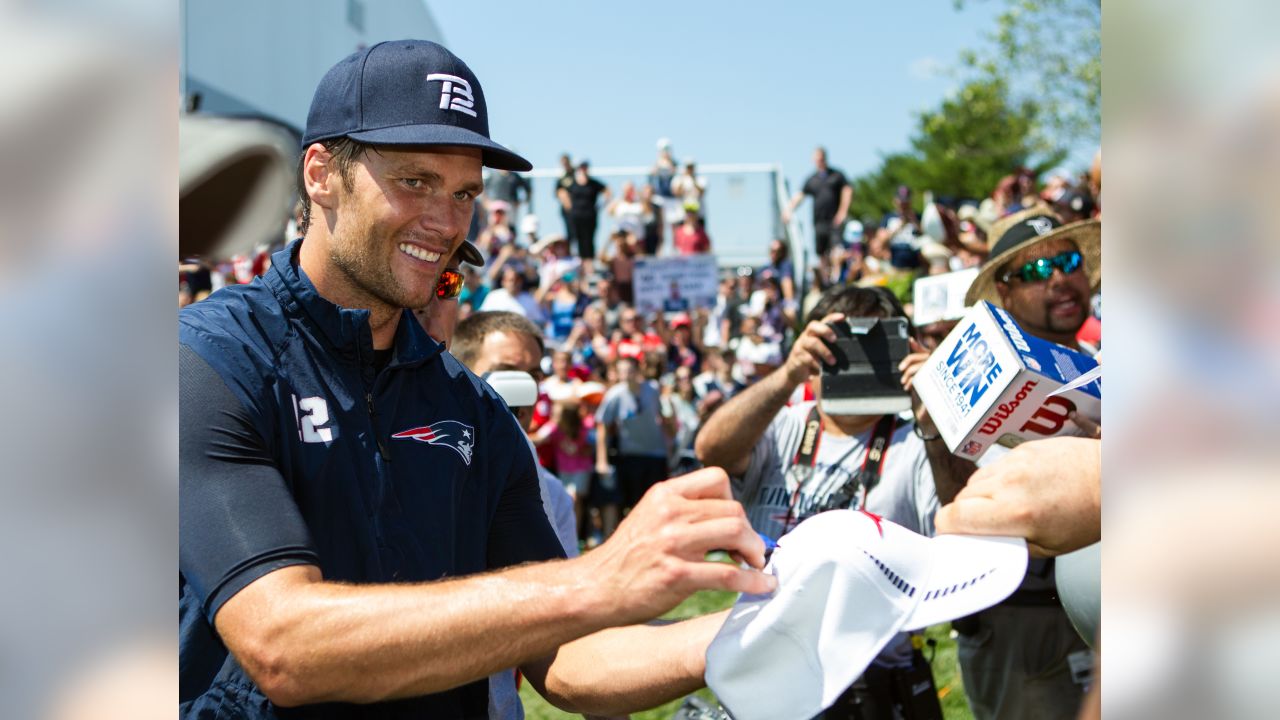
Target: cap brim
[
  {"x": 494, "y": 155},
  {"x": 970, "y": 573},
  {"x": 470, "y": 254}
]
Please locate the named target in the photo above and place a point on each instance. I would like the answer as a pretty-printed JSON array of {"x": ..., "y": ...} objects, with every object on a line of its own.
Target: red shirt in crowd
[
  {"x": 635, "y": 346},
  {"x": 691, "y": 240}
]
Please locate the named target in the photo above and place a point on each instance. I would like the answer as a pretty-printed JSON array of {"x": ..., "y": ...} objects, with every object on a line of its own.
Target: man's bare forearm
[
  {"x": 846, "y": 197},
  {"x": 303, "y": 640},
  {"x": 795, "y": 202},
  {"x": 950, "y": 472},
  {"x": 328, "y": 641},
  {"x": 612, "y": 672},
  {"x": 730, "y": 433}
]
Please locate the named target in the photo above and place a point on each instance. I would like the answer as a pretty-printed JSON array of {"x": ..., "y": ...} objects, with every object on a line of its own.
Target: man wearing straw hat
[
  {"x": 1022, "y": 658},
  {"x": 1042, "y": 272}
]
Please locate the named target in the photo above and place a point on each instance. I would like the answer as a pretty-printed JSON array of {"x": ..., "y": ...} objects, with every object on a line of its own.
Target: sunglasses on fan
[
  {"x": 1042, "y": 269},
  {"x": 449, "y": 286}
]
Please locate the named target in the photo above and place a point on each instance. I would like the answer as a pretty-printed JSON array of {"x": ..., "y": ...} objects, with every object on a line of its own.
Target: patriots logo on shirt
[{"x": 449, "y": 433}]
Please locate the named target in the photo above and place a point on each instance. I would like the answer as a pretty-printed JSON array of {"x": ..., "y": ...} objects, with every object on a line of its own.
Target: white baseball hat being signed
[{"x": 848, "y": 581}]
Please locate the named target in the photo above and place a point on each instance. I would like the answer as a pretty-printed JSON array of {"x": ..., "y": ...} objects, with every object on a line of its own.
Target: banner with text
[{"x": 675, "y": 284}]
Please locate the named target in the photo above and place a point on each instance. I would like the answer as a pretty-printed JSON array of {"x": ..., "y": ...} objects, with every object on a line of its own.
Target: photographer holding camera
[{"x": 789, "y": 463}]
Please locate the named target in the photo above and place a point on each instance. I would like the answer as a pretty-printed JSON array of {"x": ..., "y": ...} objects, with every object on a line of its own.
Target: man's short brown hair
[
  {"x": 344, "y": 152},
  {"x": 469, "y": 336},
  {"x": 856, "y": 301}
]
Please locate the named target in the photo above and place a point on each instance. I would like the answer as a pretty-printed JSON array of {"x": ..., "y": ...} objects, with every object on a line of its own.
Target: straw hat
[{"x": 1024, "y": 229}]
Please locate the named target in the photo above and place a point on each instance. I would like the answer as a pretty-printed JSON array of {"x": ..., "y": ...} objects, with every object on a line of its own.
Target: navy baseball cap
[{"x": 406, "y": 92}]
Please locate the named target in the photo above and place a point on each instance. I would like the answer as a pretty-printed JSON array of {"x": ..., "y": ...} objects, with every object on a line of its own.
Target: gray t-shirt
[
  {"x": 904, "y": 494},
  {"x": 637, "y": 418}
]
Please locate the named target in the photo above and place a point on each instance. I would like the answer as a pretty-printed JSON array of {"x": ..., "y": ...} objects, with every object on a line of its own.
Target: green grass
[{"x": 946, "y": 673}]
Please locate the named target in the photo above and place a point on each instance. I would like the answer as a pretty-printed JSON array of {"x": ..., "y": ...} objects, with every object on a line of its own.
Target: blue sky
[{"x": 726, "y": 82}]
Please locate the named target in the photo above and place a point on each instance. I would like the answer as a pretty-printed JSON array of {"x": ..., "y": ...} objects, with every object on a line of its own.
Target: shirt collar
[{"x": 346, "y": 329}]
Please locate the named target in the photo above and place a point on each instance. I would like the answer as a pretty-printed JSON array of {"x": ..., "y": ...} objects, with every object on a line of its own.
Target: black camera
[{"x": 865, "y": 380}]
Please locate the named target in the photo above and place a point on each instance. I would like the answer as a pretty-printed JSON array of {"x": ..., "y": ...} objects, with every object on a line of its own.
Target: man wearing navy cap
[{"x": 345, "y": 482}]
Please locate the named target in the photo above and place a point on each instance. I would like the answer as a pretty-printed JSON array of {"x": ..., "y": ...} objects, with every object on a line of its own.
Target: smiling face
[
  {"x": 1052, "y": 309},
  {"x": 389, "y": 231}
]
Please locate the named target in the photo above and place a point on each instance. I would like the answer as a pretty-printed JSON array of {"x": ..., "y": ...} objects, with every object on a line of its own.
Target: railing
[{"x": 744, "y": 203}]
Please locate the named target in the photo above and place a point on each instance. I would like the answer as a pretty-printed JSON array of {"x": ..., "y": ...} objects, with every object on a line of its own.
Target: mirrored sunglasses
[{"x": 1042, "y": 269}]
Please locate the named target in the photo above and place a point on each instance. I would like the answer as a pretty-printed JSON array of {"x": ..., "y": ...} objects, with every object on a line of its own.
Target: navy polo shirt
[{"x": 295, "y": 450}]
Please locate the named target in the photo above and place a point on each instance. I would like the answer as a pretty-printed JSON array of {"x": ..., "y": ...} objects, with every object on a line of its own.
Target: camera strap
[
  {"x": 867, "y": 476},
  {"x": 807, "y": 452},
  {"x": 878, "y": 450}
]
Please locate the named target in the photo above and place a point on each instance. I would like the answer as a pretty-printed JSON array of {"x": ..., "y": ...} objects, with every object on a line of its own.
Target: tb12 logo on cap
[{"x": 455, "y": 93}]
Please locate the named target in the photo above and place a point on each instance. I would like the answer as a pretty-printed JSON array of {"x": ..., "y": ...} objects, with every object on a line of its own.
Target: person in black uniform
[
  {"x": 831, "y": 193},
  {"x": 581, "y": 200},
  {"x": 348, "y": 494}
]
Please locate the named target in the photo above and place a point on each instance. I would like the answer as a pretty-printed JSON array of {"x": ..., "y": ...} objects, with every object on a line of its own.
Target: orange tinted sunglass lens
[{"x": 449, "y": 285}]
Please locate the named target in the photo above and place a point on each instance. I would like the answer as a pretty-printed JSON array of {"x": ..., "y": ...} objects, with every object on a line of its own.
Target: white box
[{"x": 989, "y": 382}]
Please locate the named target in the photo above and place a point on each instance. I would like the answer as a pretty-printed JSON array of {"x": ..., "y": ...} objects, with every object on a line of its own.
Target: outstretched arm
[
  {"x": 788, "y": 287},
  {"x": 304, "y": 640},
  {"x": 791, "y": 206},
  {"x": 1047, "y": 491},
  {"x": 729, "y": 434},
  {"x": 602, "y": 447},
  {"x": 612, "y": 672},
  {"x": 846, "y": 197},
  {"x": 543, "y": 434}
]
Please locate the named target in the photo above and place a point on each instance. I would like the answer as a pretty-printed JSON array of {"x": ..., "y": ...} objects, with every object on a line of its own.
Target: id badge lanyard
[{"x": 866, "y": 477}]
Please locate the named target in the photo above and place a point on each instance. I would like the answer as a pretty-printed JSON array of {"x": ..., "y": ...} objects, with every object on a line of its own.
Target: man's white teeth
[{"x": 417, "y": 252}]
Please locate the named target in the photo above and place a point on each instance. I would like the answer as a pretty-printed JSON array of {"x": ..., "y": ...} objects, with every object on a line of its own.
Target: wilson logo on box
[{"x": 990, "y": 383}]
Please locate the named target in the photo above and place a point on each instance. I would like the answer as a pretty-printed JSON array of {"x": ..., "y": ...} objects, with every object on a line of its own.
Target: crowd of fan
[{"x": 598, "y": 346}]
